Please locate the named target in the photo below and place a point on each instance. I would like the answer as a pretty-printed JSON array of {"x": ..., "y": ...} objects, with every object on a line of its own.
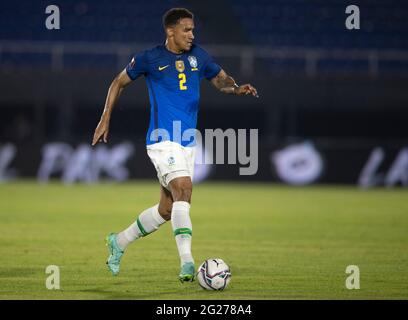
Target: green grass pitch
[{"x": 280, "y": 242}]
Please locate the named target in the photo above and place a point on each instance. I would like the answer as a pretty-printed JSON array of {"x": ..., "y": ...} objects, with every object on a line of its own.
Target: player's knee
[
  {"x": 181, "y": 189},
  {"x": 182, "y": 193},
  {"x": 165, "y": 211},
  {"x": 166, "y": 215},
  {"x": 186, "y": 195}
]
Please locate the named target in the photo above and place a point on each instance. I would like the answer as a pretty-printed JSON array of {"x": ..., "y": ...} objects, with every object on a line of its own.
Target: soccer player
[{"x": 173, "y": 72}]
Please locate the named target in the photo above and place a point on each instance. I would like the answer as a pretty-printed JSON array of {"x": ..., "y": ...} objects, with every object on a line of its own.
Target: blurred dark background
[{"x": 345, "y": 91}]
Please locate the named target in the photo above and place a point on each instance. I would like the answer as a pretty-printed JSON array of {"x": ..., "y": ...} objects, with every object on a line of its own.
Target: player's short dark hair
[{"x": 172, "y": 16}]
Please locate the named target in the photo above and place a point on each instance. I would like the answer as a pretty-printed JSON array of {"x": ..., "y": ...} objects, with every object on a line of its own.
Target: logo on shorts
[{"x": 171, "y": 161}]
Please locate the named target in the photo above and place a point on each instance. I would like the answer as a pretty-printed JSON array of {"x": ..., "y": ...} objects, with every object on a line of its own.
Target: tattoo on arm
[{"x": 224, "y": 82}]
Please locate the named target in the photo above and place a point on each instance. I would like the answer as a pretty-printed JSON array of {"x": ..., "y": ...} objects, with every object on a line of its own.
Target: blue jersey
[{"x": 173, "y": 81}]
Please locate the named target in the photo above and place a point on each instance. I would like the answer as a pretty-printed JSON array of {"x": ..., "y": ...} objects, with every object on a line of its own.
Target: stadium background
[
  {"x": 341, "y": 91},
  {"x": 332, "y": 115}
]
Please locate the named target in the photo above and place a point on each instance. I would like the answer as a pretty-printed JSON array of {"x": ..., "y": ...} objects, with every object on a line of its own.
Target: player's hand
[
  {"x": 246, "y": 89},
  {"x": 101, "y": 132}
]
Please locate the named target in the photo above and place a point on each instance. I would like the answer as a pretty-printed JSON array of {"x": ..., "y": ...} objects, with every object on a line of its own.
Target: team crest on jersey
[
  {"x": 180, "y": 65},
  {"x": 193, "y": 61}
]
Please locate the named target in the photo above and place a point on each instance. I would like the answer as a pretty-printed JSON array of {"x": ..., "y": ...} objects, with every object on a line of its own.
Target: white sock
[
  {"x": 182, "y": 228},
  {"x": 148, "y": 221}
]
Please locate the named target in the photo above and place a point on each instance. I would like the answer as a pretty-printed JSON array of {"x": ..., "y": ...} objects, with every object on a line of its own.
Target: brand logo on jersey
[
  {"x": 180, "y": 65},
  {"x": 162, "y": 68},
  {"x": 171, "y": 161},
  {"x": 193, "y": 61},
  {"x": 132, "y": 63}
]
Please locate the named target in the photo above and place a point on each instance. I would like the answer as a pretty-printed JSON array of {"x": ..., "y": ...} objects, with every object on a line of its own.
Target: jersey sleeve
[
  {"x": 137, "y": 66},
  {"x": 211, "y": 69}
]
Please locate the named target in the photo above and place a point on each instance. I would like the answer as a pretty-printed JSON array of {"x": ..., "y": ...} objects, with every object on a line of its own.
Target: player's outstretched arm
[
  {"x": 115, "y": 89},
  {"x": 226, "y": 84}
]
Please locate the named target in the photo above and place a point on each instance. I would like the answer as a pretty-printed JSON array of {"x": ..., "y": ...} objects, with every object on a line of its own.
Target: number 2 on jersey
[{"x": 182, "y": 81}]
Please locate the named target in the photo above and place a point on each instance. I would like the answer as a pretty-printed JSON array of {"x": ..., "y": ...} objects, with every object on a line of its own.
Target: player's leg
[
  {"x": 166, "y": 203},
  {"x": 175, "y": 166},
  {"x": 147, "y": 222},
  {"x": 181, "y": 190}
]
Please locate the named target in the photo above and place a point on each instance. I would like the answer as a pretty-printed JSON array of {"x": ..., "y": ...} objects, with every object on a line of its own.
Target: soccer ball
[{"x": 214, "y": 274}]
